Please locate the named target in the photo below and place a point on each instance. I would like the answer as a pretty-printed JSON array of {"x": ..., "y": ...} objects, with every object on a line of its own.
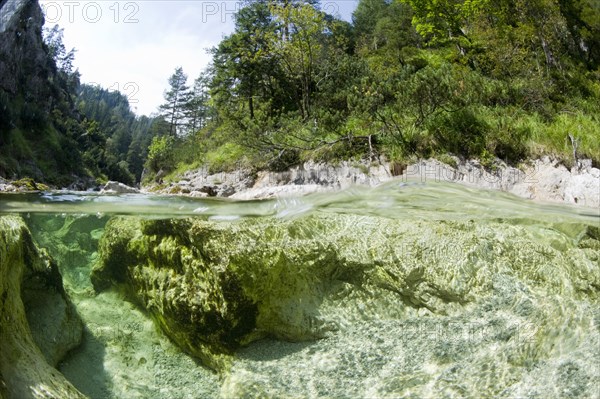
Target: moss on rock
[
  {"x": 28, "y": 184},
  {"x": 215, "y": 286},
  {"x": 26, "y": 272}
]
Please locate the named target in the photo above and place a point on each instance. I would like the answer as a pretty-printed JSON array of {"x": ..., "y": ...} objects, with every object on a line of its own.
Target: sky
[{"x": 134, "y": 46}]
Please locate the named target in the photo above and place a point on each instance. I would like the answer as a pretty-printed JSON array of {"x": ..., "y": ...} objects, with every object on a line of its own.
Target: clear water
[
  {"x": 437, "y": 201},
  {"x": 388, "y": 352}
]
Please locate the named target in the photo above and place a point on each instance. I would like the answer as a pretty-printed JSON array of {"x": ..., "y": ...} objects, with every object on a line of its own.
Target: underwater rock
[
  {"x": 69, "y": 240},
  {"x": 28, "y": 279},
  {"x": 215, "y": 286},
  {"x": 54, "y": 323}
]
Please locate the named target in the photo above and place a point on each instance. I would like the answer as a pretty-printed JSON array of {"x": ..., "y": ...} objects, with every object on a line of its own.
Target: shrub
[
  {"x": 225, "y": 158},
  {"x": 120, "y": 172},
  {"x": 461, "y": 132},
  {"x": 160, "y": 154}
]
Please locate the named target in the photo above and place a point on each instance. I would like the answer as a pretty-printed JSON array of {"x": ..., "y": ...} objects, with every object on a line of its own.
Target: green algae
[
  {"x": 214, "y": 287},
  {"x": 25, "y": 273},
  {"x": 122, "y": 355}
]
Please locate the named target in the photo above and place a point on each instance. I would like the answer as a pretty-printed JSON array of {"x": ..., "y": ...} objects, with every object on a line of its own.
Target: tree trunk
[{"x": 550, "y": 60}]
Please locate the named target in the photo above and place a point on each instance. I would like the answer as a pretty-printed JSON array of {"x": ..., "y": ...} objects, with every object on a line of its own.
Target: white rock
[
  {"x": 114, "y": 187},
  {"x": 541, "y": 180},
  {"x": 583, "y": 190}
]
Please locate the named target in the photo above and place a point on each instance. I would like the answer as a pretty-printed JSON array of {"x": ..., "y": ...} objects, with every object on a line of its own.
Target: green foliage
[
  {"x": 245, "y": 68},
  {"x": 53, "y": 38},
  {"x": 197, "y": 109},
  {"x": 461, "y": 132},
  {"x": 120, "y": 172},
  {"x": 441, "y": 20},
  {"x": 33, "y": 117},
  {"x": 6, "y": 113},
  {"x": 227, "y": 157},
  {"x": 160, "y": 154},
  {"x": 59, "y": 131},
  {"x": 114, "y": 140},
  {"x": 409, "y": 78},
  {"x": 17, "y": 145},
  {"x": 553, "y": 137},
  {"x": 300, "y": 46}
]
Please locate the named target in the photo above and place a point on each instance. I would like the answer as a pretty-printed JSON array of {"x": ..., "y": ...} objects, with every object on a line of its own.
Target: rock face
[
  {"x": 39, "y": 324},
  {"x": 115, "y": 187},
  {"x": 213, "y": 287},
  {"x": 36, "y": 104},
  {"x": 24, "y": 65}
]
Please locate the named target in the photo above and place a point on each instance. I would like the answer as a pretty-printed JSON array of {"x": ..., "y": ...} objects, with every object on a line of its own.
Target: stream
[{"x": 527, "y": 325}]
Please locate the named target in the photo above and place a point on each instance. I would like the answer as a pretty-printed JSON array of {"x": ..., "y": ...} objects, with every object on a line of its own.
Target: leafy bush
[
  {"x": 507, "y": 136},
  {"x": 461, "y": 132},
  {"x": 120, "y": 172},
  {"x": 160, "y": 154},
  {"x": 225, "y": 158},
  {"x": 33, "y": 117}
]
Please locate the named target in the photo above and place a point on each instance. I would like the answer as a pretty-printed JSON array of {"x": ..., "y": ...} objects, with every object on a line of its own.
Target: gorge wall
[{"x": 38, "y": 122}]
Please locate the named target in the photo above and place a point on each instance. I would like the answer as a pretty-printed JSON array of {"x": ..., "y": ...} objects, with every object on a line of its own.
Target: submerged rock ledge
[
  {"x": 215, "y": 287},
  {"x": 38, "y": 323}
]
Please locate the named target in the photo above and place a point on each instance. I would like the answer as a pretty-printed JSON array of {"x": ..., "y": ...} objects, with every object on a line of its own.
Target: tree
[
  {"x": 298, "y": 43},
  {"x": 197, "y": 109},
  {"x": 115, "y": 140},
  {"x": 53, "y": 38},
  {"x": 384, "y": 29},
  {"x": 178, "y": 95},
  {"x": 160, "y": 154},
  {"x": 583, "y": 19},
  {"x": 245, "y": 70},
  {"x": 367, "y": 14},
  {"x": 142, "y": 134},
  {"x": 440, "y": 21}
]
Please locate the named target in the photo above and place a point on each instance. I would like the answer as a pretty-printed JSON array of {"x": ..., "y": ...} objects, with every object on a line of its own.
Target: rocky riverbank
[{"x": 543, "y": 180}]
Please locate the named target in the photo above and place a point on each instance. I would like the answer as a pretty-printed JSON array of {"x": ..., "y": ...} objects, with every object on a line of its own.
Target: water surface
[{"x": 495, "y": 347}]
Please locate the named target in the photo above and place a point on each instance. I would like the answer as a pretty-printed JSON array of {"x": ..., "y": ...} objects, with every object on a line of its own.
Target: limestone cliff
[
  {"x": 25, "y": 66},
  {"x": 31, "y": 288},
  {"x": 37, "y": 115}
]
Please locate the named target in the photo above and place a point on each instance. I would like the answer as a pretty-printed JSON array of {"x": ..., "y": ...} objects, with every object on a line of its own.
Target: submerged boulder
[
  {"x": 215, "y": 286},
  {"x": 32, "y": 297}
]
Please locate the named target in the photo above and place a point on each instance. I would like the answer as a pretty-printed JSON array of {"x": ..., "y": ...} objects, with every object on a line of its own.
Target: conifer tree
[
  {"x": 176, "y": 98},
  {"x": 197, "y": 108}
]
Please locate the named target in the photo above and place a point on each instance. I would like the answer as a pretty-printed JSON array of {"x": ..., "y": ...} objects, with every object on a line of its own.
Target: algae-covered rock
[
  {"x": 27, "y": 275},
  {"x": 214, "y": 286},
  {"x": 54, "y": 323},
  {"x": 70, "y": 239}
]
